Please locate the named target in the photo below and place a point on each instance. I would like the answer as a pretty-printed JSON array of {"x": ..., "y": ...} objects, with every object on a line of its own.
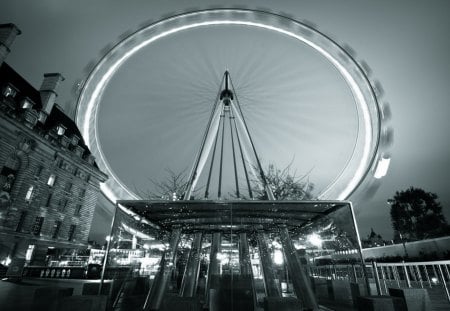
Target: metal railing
[{"x": 427, "y": 274}]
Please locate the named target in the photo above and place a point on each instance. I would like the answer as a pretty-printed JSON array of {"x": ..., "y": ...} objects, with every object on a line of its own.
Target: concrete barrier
[
  {"x": 173, "y": 302},
  {"x": 416, "y": 299},
  {"x": 282, "y": 304},
  {"x": 320, "y": 288},
  {"x": 381, "y": 303},
  {"x": 357, "y": 290},
  {"x": 131, "y": 303},
  {"x": 232, "y": 293},
  {"x": 339, "y": 291}
]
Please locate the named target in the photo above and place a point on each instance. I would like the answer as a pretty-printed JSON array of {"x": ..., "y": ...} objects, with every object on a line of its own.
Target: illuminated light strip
[
  {"x": 91, "y": 107},
  {"x": 137, "y": 233},
  {"x": 382, "y": 168}
]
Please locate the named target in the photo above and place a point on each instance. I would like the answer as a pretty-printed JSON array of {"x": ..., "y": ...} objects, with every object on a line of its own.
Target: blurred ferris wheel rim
[{"x": 369, "y": 160}]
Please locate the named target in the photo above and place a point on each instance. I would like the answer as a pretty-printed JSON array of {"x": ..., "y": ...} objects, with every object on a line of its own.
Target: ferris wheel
[{"x": 304, "y": 97}]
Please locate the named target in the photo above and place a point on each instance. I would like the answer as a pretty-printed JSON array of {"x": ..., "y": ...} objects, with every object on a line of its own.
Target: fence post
[
  {"x": 396, "y": 275},
  {"x": 383, "y": 276},
  {"x": 419, "y": 276},
  {"x": 428, "y": 277},
  {"x": 444, "y": 282},
  {"x": 408, "y": 282},
  {"x": 377, "y": 279},
  {"x": 355, "y": 275}
]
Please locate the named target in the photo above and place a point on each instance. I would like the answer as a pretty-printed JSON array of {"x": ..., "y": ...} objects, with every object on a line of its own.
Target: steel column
[
  {"x": 272, "y": 287},
  {"x": 214, "y": 263},
  {"x": 108, "y": 248},
  {"x": 376, "y": 277},
  {"x": 244, "y": 255},
  {"x": 300, "y": 281},
  {"x": 190, "y": 277},
  {"x": 158, "y": 289}
]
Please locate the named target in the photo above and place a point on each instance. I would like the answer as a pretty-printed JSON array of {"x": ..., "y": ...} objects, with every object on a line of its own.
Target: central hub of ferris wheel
[
  {"x": 226, "y": 96},
  {"x": 227, "y": 118}
]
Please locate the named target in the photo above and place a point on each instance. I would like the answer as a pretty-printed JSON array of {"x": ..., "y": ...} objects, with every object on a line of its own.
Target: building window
[
  {"x": 63, "y": 204},
  {"x": 29, "y": 253},
  {"x": 68, "y": 187},
  {"x": 60, "y": 129},
  {"x": 49, "y": 199},
  {"x": 38, "y": 170},
  {"x": 63, "y": 165},
  {"x": 78, "y": 210},
  {"x": 19, "y": 226},
  {"x": 9, "y": 91},
  {"x": 71, "y": 232},
  {"x": 36, "y": 229},
  {"x": 29, "y": 195},
  {"x": 82, "y": 193},
  {"x": 42, "y": 116},
  {"x": 51, "y": 180},
  {"x": 27, "y": 104},
  {"x": 56, "y": 228}
]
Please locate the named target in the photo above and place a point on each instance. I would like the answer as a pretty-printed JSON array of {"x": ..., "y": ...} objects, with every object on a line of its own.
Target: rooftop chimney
[
  {"x": 8, "y": 33},
  {"x": 48, "y": 91}
]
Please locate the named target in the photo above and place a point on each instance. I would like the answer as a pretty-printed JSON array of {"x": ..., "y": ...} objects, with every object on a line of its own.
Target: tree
[
  {"x": 285, "y": 185},
  {"x": 416, "y": 214},
  {"x": 373, "y": 239},
  {"x": 172, "y": 188}
]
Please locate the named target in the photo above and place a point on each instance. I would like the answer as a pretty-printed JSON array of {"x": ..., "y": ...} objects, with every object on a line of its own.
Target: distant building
[
  {"x": 373, "y": 240},
  {"x": 49, "y": 181}
]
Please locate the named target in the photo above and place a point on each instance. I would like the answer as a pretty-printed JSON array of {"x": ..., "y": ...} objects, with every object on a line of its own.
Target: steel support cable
[
  {"x": 250, "y": 193},
  {"x": 219, "y": 190},
  {"x": 234, "y": 155},
  {"x": 212, "y": 163},
  {"x": 261, "y": 171},
  {"x": 193, "y": 176}
]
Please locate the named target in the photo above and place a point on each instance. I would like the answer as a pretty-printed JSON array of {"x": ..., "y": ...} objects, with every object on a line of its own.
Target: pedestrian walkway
[{"x": 18, "y": 296}]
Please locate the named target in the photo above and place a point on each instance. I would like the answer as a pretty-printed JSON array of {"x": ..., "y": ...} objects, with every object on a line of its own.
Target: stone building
[{"x": 49, "y": 181}]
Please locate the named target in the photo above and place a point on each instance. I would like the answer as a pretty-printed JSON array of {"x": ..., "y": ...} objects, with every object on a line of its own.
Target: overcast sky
[{"x": 405, "y": 43}]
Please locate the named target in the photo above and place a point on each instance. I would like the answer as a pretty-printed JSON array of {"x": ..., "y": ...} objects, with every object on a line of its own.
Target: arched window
[
  {"x": 30, "y": 193},
  {"x": 51, "y": 180}
]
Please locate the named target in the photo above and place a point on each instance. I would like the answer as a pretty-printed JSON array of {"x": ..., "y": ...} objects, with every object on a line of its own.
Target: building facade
[{"x": 49, "y": 181}]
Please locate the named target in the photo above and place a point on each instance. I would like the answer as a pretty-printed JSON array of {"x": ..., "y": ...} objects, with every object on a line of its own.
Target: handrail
[
  {"x": 417, "y": 263},
  {"x": 411, "y": 274}
]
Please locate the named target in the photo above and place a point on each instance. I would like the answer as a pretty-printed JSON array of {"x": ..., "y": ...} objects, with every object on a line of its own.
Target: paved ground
[{"x": 18, "y": 296}]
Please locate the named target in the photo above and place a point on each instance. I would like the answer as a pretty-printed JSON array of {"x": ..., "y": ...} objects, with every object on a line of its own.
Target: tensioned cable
[
  {"x": 267, "y": 189},
  {"x": 193, "y": 176},
  {"x": 234, "y": 155},
  {"x": 219, "y": 190},
  {"x": 212, "y": 163},
  {"x": 250, "y": 193}
]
